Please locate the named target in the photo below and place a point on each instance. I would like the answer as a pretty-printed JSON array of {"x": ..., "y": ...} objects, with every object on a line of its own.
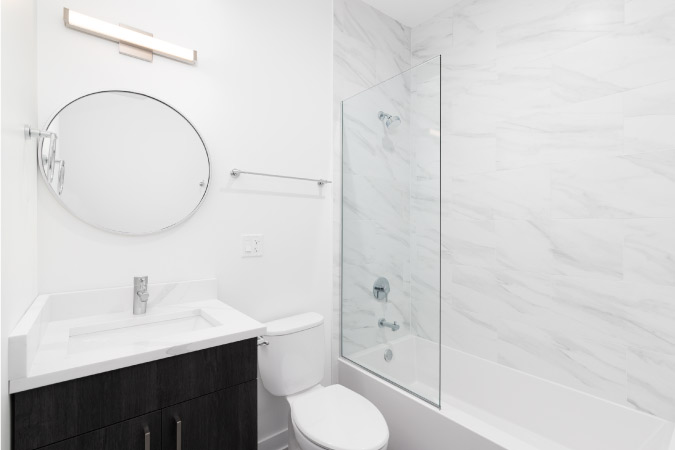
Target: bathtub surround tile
[
  {"x": 506, "y": 194},
  {"x": 433, "y": 38},
  {"x": 465, "y": 331},
  {"x": 469, "y": 242},
  {"x": 588, "y": 248},
  {"x": 570, "y": 86},
  {"x": 650, "y": 246},
  {"x": 477, "y": 290},
  {"x": 390, "y": 38},
  {"x": 524, "y": 90},
  {"x": 650, "y": 382},
  {"x": 552, "y": 136},
  {"x": 465, "y": 154},
  {"x": 425, "y": 304},
  {"x": 496, "y": 14},
  {"x": 354, "y": 65},
  {"x": 635, "y": 314},
  {"x": 647, "y": 45},
  {"x": 521, "y": 193},
  {"x": 467, "y": 299},
  {"x": 650, "y": 118},
  {"x": 622, "y": 187},
  {"x": 470, "y": 197},
  {"x": 632, "y": 56},
  {"x": 557, "y": 188},
  {"x": 367, "y": 198},
  {"x": 525, "y": 245},
  {"x": 581, "y": 73},
  {"x": 637, "y": 10},
  {"x": 564, "y": 25},
  {"x": 370, "y": 241},
  {"x": 561, "y": 350},
  {"x": 370, "y": 48},
  {"x": 370, "y": 152},
  {"x": 478, "y": 52}
]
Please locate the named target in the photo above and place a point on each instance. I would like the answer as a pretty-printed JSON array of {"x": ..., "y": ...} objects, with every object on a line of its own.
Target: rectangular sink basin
[
  {"x": 70, "y": 335},
  {"x": 136, "y": 330}
]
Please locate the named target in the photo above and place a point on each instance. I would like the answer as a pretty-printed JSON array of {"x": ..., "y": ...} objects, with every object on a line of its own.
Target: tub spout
[{"x": 383, "y": 323}]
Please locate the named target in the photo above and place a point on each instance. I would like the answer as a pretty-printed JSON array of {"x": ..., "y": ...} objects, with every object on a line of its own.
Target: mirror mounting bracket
[{"x": 29, "y": 133}]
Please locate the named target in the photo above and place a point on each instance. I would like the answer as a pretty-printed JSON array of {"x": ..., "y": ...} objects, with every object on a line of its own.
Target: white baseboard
[{"x": 277, "y": 441}]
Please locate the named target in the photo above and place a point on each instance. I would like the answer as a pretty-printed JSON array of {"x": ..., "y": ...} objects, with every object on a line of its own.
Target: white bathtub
[{"x": 486, "y": 406}]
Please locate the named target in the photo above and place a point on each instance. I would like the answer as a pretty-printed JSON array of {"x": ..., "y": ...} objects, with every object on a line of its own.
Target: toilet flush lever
[{"x": 262, "y": 341}]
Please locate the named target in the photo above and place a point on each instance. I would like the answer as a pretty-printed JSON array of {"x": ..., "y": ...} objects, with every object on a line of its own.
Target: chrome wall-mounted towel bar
[{"x": 236, "y": 172}]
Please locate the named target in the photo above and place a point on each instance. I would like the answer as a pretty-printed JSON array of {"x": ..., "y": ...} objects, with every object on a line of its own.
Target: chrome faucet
[
  {"x": 383, "y": 323},
  {"x": 141, "y": 295}
]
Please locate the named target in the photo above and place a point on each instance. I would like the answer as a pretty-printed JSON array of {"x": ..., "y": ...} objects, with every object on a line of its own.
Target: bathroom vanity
[{"x": 88, "y": 374}]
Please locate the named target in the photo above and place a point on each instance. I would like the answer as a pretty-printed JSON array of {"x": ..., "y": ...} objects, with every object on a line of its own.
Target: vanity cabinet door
[
  {"x": 223, "y": 420},
  {"x": 191, "y": 375},
  {"x": 61, "y": 411},
  {"x": 141, "y": 433}
]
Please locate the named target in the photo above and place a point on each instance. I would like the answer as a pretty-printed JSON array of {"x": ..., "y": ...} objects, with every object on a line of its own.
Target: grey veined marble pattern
[
  {"x": 369, "y": 48},
  {"x": 391, "y": 201},
  {"x": 557, "y": 182},
  {"x": 558, "y": 190}
]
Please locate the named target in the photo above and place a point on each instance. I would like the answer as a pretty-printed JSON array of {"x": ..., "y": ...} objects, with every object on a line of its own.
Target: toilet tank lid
[{"x": 293, "y": 324}]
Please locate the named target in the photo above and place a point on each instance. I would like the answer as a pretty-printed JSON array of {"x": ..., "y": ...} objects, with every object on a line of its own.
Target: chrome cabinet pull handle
[
  {"x": 179, "y": 433},
  {"x": 147, "y": 438}
]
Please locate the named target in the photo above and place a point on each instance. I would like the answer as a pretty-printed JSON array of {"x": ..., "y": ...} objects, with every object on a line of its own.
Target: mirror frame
[{"x": 100, "y": 227}]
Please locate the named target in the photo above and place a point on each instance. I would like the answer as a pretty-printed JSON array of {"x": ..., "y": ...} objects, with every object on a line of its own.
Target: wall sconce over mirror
[
  {"x": 135, "y": 164},
  {"x": 133, "y": 42}
]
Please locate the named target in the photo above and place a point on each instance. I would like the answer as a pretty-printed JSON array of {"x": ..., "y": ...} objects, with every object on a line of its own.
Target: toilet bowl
[
  {"x": 321, "y": 418},
  {"x": 337, "y": 418}
]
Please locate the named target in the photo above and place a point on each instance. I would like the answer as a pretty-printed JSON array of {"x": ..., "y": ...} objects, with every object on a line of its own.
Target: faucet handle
[{"x": 143, "y": 296}]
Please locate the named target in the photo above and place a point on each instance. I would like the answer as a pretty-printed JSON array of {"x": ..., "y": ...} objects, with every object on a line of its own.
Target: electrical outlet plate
[{"x": 252, "y": 245}]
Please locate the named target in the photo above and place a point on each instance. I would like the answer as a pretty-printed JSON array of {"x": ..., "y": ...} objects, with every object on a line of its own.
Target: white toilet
[{"x": 322, "y": 418}]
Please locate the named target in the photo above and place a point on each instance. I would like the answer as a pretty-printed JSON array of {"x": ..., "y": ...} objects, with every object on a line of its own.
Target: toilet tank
[{"x": 294, "y": 359}]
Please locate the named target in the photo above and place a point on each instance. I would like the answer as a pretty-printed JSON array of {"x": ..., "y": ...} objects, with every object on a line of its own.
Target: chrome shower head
[{"x": 389, "y": 120}]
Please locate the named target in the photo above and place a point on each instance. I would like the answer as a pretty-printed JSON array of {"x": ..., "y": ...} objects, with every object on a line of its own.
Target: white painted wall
[
  {"x": 260, "y": 95},
  {"x": 18, "y": 175}
]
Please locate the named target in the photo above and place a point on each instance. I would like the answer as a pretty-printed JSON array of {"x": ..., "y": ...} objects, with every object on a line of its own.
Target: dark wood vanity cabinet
[
  {"x": 141, "y": 433},
  {"x": 205, "y": 400}
]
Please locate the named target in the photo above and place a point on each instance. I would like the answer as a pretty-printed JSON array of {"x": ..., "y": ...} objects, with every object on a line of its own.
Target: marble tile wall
[
  {"x": 558, "y": 190},
  {"x": 369, "y": 48},
  {"x": 376, "y": 215},
  {"x": 425, "y": 203}
]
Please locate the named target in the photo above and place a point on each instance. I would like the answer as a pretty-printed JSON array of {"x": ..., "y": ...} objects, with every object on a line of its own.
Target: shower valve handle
[{"x": 381, "y": 289}]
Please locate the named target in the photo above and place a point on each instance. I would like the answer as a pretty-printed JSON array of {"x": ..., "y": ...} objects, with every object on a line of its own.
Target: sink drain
[{"x": 388, "y": 355}]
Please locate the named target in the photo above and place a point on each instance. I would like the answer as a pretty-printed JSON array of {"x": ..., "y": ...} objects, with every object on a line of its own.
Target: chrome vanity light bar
[
  {"x": 129, "y": 37},
  {"x": 234, "y": 173}
]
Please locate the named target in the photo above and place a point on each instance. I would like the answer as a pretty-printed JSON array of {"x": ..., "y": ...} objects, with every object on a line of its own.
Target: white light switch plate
[{"x": 252, "y": 244}]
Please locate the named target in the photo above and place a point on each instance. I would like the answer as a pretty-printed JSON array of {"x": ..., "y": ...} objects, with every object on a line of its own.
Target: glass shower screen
[{"x": 391, "y": 230}]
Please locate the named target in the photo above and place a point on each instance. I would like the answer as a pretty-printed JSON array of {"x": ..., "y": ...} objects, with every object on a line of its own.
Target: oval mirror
[{"x": 125, "y": 162}]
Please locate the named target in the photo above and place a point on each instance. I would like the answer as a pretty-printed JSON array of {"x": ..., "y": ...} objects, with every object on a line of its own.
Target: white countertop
[{"x": 71, "y": 335}]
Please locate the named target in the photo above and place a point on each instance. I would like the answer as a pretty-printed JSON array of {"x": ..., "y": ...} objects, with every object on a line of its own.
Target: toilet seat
[{"x": 337, "y": 418}]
